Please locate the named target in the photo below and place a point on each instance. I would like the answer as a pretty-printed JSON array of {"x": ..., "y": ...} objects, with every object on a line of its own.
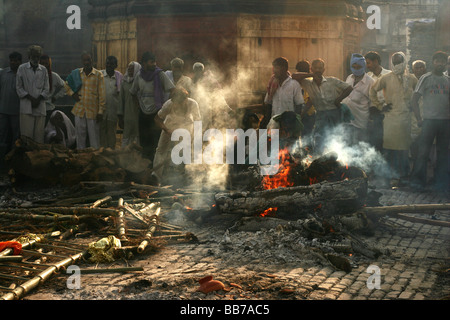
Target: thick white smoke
[{"x": 361, "y": 155}]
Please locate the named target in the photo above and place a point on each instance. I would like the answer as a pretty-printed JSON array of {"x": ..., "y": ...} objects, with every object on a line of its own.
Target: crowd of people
[{"x": 404, "y": 115}]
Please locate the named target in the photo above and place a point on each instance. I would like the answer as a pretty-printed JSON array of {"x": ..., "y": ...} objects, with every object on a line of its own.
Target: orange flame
[{"x": 281, "y": 179}]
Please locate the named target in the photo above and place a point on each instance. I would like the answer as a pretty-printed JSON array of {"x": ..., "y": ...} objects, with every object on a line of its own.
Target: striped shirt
[{"x": 92, "y": 95}]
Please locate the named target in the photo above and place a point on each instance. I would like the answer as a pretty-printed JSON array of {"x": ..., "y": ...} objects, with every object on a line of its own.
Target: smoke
[
  {"x": 361, "y": 154},
  {"x": 213, "y": 93}
]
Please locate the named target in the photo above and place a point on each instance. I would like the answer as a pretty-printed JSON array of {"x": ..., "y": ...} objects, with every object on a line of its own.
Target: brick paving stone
[
  {"x": 377, "y": 295},
  {"x": 356, "y": 286},
  {"x": 297, "y": 271},
  {"x": 406, "y": 295},
  {"x": 346, "y": 282},
  {"x": 325, "y": 272},
  {"x": 418, "y": 296},
  {"x": 331, "y": 296},
  {"x": 390, "y": 279},
  {"x": 325, "y": 286},
  {"x": 399, "y": 267},
  {"x": 392, "y": 295},
  {"x": 345, "y": 296},
  {"x": 316, "y": 295},
  {"x": 338, "y": 288}
]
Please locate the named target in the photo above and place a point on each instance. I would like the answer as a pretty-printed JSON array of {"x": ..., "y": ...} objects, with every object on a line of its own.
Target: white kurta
[
  {"x": 397, "y": 122},
  {"x": 359, "y": 101}
]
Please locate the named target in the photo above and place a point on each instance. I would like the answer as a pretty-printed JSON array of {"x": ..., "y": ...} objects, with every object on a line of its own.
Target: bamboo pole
[
  {"x": 11, "y": 258},
  {"x": 150, "y": 231},
  {"x": 40, "y": 217},
  {"x": 408, "y": 208},
  {"x": 8, "y": 276},
  {"x": 18, "y": 267},
  {"x": 101, "y": 201},
  {"x": 57, "y": 247},
  {"x": 66, "y": 210},
  {"x": 9, "y": 251},
  {"x": 31, "y": 252},
  {"x": 135, "y": 214},
  {"x": 5, "y": 288},
  {"x": 120, "y": 222},
  {"x": 26, "y": 287},
  {"x": 400, "y": 210}
]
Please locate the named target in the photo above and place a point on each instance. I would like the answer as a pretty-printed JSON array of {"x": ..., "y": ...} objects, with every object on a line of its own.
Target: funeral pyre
[{"x": 320, "y": 205}]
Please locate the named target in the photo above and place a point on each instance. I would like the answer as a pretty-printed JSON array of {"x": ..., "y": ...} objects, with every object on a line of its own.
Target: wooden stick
[
  {"x": 111, "y": 270},
  {"x": 409, "y": 208}
]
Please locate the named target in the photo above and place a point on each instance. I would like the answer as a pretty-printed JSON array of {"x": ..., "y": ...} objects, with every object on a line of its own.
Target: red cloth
[{"x": 17, "y": 246}]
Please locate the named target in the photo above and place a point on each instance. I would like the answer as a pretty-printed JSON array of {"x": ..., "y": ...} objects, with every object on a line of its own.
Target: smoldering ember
[{"x": 229, "y": 151}]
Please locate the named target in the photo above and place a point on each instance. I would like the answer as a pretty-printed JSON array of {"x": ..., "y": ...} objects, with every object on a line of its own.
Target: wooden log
[{"x": 339, "y": 197}]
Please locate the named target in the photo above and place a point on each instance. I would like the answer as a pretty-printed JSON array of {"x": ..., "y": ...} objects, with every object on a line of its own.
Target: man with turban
[
  {"x": 358, "y": 100},
  {"x": 398, "y": 87}
]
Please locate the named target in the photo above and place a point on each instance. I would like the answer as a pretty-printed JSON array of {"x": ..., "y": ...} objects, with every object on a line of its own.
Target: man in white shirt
[
  {"x": 113, "y": 81},
  {"x": 283, "y": 92},
  {"x": 358, "y": 100},
  {"x": 33, "y": 89},
  {"x": 375, "y": 125}
]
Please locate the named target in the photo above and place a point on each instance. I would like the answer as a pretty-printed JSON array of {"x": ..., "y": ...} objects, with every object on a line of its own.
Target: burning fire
[
  {"x": 279, "y": 180},
  {"x": 282, "y": 178}
]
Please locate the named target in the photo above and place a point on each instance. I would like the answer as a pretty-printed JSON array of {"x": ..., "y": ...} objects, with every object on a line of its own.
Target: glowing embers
[{"x": 269, "y": 212}]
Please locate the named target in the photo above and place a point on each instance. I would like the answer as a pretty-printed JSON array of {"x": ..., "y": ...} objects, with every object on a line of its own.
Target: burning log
[{"x": 340, "y": 197}]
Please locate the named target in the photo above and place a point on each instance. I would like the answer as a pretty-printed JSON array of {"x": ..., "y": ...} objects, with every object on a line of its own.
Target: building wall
[
  {"x": 261, "y": 39},
  {"x": 115, "y": 37},
  {"x": 238, "y": 40},
  {"x": 43, "y": 22},
  {"x": 397, "y": 17}
]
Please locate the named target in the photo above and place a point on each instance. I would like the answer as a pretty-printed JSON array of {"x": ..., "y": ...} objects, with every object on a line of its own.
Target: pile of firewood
[{"x": 54, "y": 164}]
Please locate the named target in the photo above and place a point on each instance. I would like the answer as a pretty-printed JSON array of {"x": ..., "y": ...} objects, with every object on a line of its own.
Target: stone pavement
[{"x": 275, "y": 264}]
